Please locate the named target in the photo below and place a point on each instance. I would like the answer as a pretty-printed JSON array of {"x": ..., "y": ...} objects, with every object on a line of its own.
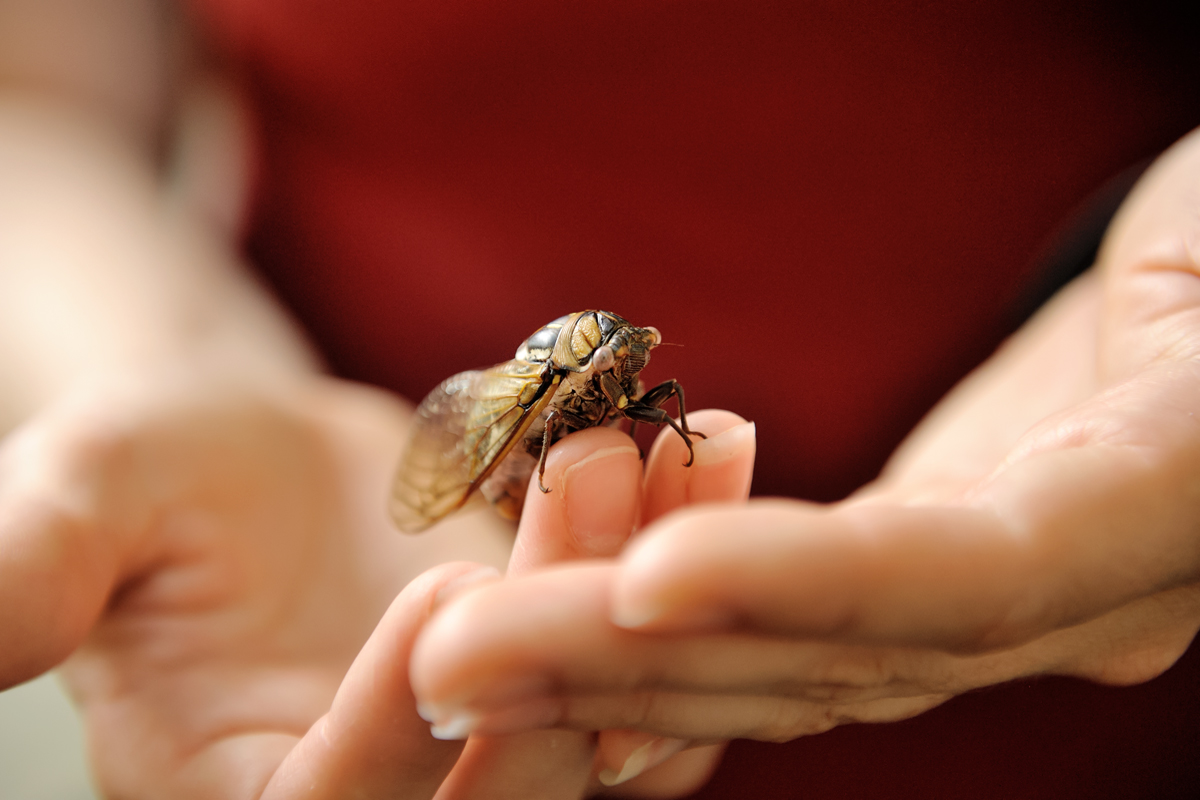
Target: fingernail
[
  {"x": 601, "y": 494},
  {"x": 727, "y": 444},
  {"x": 506, "y": 699},
  {"x": 633, "y": 615},
  {"x": 651, "y": 754},
  {"x": 460, "y": 583},
  {"x": 455, "y": 727},
  {"x": 428, "y": 711}
]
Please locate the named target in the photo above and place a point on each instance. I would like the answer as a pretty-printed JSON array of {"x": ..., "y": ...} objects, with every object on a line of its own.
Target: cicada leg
[
  {"x": 646, "y": 409},
  {"x": 547, "y": 438}
]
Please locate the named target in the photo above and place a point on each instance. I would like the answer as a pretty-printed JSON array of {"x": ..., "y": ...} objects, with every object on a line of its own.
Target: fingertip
[
  {"x": 648, "y": 765},
  {"x": 437, "y": 585},
  {"x": 680, "y": 775},
  {"x": 737, "y": 440},
  {"x": 724, "y": 466},
  {"x": 722, "y": 470},
  {"x": 456, "y": 585},
  {"x": 691, "y": 571},
  {"x": 637, "y": 599},
  {"x": 626, "y": 754},
  {"x": 70, "y": 533},
  {"x": 652, "y": 613},
  {"x": 56, "y": 574},
  {"x": 711, "y": 422},
  {"x": 595, "y": 479},
  {"x": 661, "y": 584}
]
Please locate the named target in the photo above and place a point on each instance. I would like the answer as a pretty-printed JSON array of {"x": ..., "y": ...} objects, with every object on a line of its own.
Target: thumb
[
  {"x": 1151, "y": 262},
  {"x": 61, "y": 547}
]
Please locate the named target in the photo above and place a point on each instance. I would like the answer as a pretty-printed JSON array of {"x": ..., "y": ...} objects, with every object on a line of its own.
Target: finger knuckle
[
  {"x": 791, "y": 719},
  {"x": 843, "y": 672}
]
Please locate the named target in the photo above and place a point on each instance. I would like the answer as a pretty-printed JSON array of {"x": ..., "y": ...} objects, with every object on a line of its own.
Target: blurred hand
[
  {"x": 1042, "y": 520},
  {"x": 218, "y": 557}
]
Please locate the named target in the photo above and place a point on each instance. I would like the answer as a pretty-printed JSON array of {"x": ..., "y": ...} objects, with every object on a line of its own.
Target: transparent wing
[{"x": 461, "y": 431}]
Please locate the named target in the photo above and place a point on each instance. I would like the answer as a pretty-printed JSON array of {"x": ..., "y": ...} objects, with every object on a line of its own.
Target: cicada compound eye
[
  {"x": 603, "y": 359},
  {"x": 654, "y": 335}
]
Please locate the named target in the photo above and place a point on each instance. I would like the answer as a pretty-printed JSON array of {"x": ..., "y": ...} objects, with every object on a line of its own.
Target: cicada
[{"x": 491, "y": 429}]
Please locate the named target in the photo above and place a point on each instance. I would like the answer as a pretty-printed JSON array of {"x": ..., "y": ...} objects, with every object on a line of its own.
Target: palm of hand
[
  {"x": 1078, "y": 442},
  {"x": 245, "y": 536}
]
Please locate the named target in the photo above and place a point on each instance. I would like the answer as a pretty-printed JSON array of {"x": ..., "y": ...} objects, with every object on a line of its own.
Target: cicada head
[{"x": 627, "y": 350}]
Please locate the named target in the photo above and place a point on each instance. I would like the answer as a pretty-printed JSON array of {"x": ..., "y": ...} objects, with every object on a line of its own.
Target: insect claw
[{"x": 691, "y": 451}]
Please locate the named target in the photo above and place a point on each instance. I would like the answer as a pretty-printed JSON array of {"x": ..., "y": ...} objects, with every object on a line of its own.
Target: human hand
[
  {"x": 1041, "y": 521},
  {"x": 598, "y": 498},
  {"x": 216, "y": 553}
]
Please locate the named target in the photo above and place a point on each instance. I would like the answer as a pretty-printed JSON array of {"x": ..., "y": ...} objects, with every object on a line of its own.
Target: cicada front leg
[
  {"x": 646, "y": 409},
  {"x": 547, "y": 439}
]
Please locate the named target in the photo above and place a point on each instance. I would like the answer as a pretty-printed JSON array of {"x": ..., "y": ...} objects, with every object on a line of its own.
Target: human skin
[
  {"x": 1041, "y": 520},
  {"x": 598, "y": 499}
]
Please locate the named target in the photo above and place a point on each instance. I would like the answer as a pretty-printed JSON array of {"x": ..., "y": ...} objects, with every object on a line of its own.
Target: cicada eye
[
  {"x": 654, "y": 335},
  {"x": 603, "y": 359}
]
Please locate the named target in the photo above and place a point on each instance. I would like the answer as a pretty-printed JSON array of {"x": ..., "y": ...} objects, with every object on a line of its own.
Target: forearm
[
  {"x": 109, "y": 261},
  {"x": 101, "y": 271}
]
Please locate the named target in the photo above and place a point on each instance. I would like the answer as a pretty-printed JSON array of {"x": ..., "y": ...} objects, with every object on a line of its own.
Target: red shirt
[{"x": 833, "y": 206}]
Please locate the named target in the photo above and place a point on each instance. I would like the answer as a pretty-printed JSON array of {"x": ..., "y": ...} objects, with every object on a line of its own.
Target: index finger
[{"x": 721, "y": 471}]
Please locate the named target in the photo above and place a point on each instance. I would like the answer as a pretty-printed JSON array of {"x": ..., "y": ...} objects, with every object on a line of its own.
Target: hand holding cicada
[
  {"x": 602, "y": 494},
  {"x": 491, "y": 429},
  {"x": 1042, "y": 520}
]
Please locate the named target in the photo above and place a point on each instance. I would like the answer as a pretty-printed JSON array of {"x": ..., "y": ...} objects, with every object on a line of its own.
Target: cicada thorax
[
  {"x": 569, "y": 342},
  {"x": 598, "y": 355}
]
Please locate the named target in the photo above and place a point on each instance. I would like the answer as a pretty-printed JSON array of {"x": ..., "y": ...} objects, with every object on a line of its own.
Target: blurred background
[{"x": 41, "y": 745}]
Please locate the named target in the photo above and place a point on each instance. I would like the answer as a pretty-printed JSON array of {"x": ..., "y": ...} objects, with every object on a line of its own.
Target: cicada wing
[
  {"x": 461, "y": 431},
  {"x": 434, "y": 473}
]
